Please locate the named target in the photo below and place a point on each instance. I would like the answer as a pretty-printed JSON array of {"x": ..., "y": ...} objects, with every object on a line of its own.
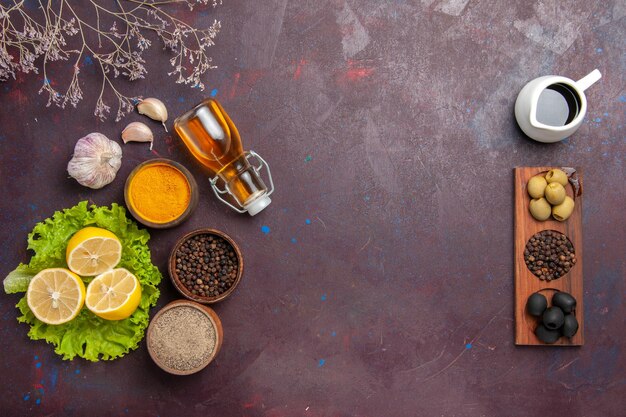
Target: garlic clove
[
  {"x": 96, "y": 161},
  {"x": 154, "y": 109},
  {"x": 137, "y": 132}
]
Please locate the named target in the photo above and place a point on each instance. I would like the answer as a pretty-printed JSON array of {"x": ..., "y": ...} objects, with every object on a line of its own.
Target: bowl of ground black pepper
[
  {"x": 206, "y": 265},
  {"x": 184, "y": 337}
]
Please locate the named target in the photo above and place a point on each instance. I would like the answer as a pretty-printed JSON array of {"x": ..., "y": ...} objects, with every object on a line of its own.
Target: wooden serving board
[{"x": 526, "y": 282}]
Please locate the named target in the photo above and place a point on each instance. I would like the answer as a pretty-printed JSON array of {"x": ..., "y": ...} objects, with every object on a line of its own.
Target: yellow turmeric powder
[{"x": 159, "y": 193}]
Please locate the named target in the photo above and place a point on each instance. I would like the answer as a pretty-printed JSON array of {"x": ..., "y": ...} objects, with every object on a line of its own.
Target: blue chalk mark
[
  {"x": 366, "y": 198},
  {"x": 38, "y": 365},
  {"x": 54, "y": 375},
  {"x": 597, "y": 120},
  {"x": 293, "y": 240},
  {"x": 321, "y": 363},
  {"x": 334, "y": 333},
  {"x": 181, "y": 99},
  {"x": 622, "y": 99},
  {"x": 214, "y": 92},
  {"x": 77, "y": 371},
  {"x": 308, "y": 221},
  {"x": 88, "y": 60},
  {"x": 323, "y": 297},
  {"x": 599, "y": 50},
  {"x": 26, "y": 397},
  {"x": 606, "y": 114},
  {"x": 308, "y": 158},
  {"x": 38, "y": 401},
  {"x": 468, "y": 346},
  {"x": 36, "y": 357},
  {"x": 265, "y": 229}
]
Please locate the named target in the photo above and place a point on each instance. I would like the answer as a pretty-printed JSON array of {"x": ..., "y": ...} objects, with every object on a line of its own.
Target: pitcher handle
[{"x": 588, "y": 80}]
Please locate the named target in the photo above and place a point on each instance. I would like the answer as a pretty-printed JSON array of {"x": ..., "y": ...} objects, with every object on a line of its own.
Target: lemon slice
[
  {"x": 55, "y": 295},
  {"x": 92, "y": 251},
  {"x": 113, "y": 295}
]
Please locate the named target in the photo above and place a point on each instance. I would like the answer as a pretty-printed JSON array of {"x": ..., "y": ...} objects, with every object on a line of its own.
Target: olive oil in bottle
[{"x": 213, "y": 139}]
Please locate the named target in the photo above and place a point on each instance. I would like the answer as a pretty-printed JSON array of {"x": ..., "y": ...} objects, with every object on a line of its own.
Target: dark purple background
[{"x": 389, "y": 126}]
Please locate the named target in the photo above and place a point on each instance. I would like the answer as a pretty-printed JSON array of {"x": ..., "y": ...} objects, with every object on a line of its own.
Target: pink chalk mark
[
  {"x": 233, "y": 89},
  {"x": 299, "y": 67},
  {"x": 254, "y": 401},
  {"x": 346, "y": 343},
  {"x": 355, "y": 72}
]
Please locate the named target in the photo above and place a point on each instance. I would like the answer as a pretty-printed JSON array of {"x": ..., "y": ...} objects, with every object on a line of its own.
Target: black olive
[
  {"x": 565, "y": 301},
  {"x": 547, "y": 335},
  {"x": 553, "y": 318},
  {"x": 536, "y": 304},
  {"x": 570, "y": 326}
]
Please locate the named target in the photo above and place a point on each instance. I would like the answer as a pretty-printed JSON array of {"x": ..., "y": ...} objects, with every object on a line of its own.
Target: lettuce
[{"x": 89, "y": 336}]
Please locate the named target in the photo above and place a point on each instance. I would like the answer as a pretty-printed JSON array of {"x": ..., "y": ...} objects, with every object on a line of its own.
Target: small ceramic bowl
[
  {"x": 166, "y": 326},
  {"x": 182, "y": 288},
  {"x": 132, "y": 203}
]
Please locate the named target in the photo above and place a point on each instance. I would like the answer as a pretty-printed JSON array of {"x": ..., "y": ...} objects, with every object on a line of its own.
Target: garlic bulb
[
  {"x": 137, "y": 132},
  {"x": 154, "y": 109},
  {"x": 96, "y": 160}
]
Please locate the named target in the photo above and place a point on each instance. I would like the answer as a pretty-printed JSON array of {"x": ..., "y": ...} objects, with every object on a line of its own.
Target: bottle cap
[{"x": 258, "y": 205}]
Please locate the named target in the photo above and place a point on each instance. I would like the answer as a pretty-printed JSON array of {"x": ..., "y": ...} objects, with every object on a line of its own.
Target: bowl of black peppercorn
[{"x": 206, "y": 265}]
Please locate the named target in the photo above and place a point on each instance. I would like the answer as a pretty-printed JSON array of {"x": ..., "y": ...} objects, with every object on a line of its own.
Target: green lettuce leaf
[{"x": 88, "y": 336}]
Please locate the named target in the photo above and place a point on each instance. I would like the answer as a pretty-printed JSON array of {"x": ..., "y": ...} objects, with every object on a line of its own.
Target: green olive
[
  {"x": 556, "y": 175},
  {"x": 555, "y": 193},
  {"x": 540, "y": 209},
  {"x": 563, "y": 210},
  {"x": 536, "y": 185}
]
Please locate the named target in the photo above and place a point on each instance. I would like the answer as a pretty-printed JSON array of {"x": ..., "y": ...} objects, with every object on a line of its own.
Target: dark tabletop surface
[{"x": 384, "y": 286}]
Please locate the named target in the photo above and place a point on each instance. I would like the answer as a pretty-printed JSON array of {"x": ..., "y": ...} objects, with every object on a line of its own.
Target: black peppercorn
[
  {"x": 549, "y": 255},
  {"x": 206, "y": 265}
]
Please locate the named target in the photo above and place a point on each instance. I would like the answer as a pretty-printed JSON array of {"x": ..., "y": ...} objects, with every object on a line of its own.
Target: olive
[
  {"x": 536, "y": 185},
  {"x": 563, "y": 210},
  {"x": 553, "y": 318},
  {"x": 540, "y": 209},
  {"x": 547, "y": 335},
  {"x": 536, "y": 304},
  {"x": 555, "y": 193},
  {"x": 570, "y": 326},
  {"x": 556, "y": 175},
  {"x": 564, "y": 301}
]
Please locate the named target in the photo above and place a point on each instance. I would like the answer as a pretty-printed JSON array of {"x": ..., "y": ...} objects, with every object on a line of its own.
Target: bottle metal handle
[
  {"x": 220, "y": 192},
  {"x": 258, "y": 169}
]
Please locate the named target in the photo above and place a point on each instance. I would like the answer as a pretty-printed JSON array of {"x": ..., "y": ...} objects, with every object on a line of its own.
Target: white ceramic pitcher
[{"x": 526, "y": 106}]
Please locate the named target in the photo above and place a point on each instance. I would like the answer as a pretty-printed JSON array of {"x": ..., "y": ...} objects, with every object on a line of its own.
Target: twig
[{"x": 27, "y": 34}]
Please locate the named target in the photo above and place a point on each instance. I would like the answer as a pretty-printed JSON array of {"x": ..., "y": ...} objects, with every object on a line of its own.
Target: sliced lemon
[
  {"x": 113, "y": 295},
  {"x": 55, "y": 295},
  {"x": 92, "y": 251}
]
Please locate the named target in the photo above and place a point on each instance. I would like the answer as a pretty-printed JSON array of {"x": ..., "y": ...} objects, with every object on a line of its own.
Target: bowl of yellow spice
[{"x": 161, "y": 193}]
